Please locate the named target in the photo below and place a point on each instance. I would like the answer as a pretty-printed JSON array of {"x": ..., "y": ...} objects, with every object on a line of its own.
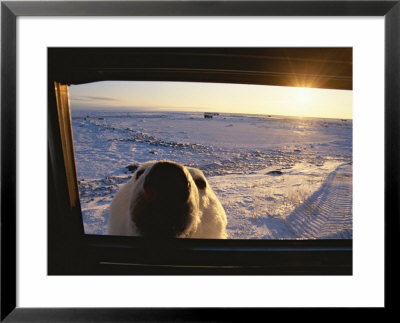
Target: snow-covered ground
[{"x": 277, "y": 177}]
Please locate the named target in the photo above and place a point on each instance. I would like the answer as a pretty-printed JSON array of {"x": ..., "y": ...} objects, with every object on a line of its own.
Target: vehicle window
[{"x": 278, "y": 159}]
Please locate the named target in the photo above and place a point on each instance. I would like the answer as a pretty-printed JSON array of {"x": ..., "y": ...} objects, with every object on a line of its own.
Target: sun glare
[{"x": 301, "y": 97}]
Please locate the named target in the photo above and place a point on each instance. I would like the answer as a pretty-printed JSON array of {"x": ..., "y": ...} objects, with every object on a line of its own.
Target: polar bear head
[{"x": 165, "y": 199}]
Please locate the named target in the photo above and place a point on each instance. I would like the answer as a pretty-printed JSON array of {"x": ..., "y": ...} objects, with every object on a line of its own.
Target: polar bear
[{"x": 166, "y": 199}]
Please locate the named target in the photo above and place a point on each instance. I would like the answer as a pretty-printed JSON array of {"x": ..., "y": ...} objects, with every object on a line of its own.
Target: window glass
[{"x": 279, "y": 159}]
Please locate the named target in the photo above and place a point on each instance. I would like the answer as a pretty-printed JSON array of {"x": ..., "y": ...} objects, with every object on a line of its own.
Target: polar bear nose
[{"x": 166, "y": 181}]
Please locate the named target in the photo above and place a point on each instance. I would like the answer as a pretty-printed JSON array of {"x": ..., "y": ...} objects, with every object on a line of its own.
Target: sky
[{"x": 211, "y": 97}]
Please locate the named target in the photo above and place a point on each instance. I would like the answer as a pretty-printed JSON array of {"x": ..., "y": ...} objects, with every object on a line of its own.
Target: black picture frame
[{"x": 11, "y": 10}]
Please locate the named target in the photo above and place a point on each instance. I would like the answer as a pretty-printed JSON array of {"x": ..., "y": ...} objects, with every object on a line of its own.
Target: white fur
[{"x": 208, "y": 216}]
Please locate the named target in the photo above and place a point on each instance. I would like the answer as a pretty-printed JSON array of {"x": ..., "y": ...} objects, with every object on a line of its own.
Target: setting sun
[{"x": 302, "y": 97}]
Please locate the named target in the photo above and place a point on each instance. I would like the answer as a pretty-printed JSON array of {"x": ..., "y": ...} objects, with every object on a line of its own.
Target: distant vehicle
[{"x": 209, "y": 115}]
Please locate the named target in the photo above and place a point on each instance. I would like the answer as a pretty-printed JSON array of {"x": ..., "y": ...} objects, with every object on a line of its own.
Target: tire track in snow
[{"x": 327, "y": 213}]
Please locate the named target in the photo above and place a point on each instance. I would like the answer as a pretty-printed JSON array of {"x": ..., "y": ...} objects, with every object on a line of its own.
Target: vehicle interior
[{"x": 72, "y": 252}]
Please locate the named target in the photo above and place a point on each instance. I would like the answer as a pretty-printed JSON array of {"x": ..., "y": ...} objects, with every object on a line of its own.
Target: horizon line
[{"x": 165, "y": 109}]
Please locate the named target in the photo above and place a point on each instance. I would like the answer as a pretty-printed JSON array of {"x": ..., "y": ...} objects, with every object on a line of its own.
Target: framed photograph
[{"x": 205, "y": 146}]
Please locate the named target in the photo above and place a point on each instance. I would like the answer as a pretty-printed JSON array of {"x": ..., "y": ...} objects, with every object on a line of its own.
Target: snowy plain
[{"x": 277, "y": 177}]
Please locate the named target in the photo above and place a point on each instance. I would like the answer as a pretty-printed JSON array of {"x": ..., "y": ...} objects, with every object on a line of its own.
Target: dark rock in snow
[
  {"x": 275, "y": 173},
  {"x": 132, "y": 168}
]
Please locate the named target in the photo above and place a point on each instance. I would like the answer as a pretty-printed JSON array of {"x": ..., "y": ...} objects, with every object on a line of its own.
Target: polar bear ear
[
  {"x": 139, "y": 173},
  {"x": 198, "y": 178},
  {"x": 200, "y": 183}
]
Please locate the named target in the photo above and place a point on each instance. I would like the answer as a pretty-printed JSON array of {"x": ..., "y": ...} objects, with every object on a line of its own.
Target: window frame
[{"x": 71, "y": 251}]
